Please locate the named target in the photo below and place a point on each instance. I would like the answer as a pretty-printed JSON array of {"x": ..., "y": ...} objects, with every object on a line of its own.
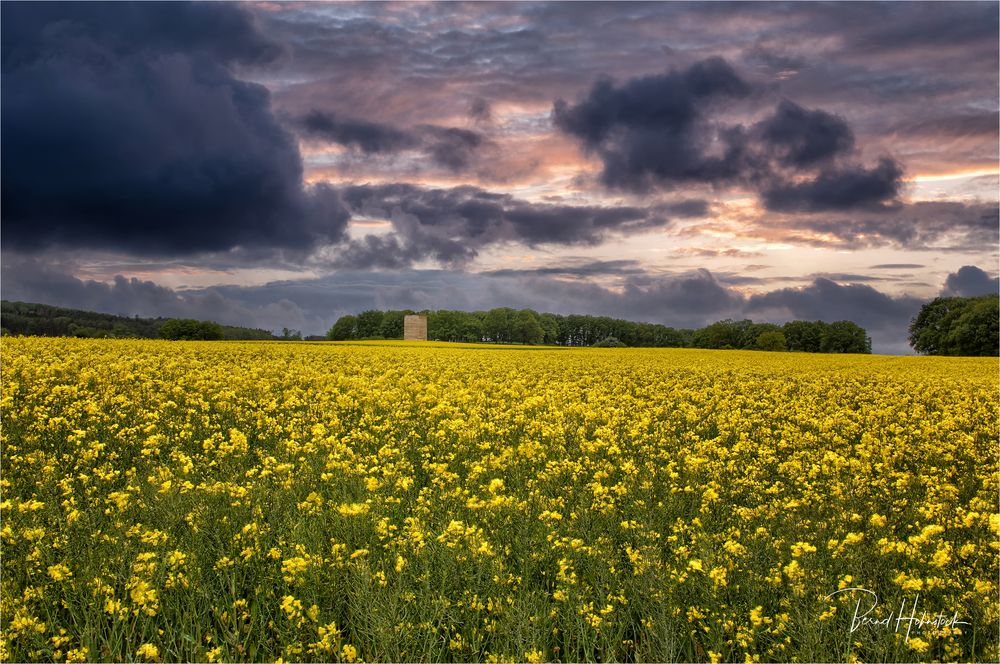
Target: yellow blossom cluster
[{"x": 248, "y": 501}]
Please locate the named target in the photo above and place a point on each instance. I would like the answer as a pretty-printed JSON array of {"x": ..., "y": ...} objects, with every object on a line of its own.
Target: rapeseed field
[{"x": 212, "y": 501}]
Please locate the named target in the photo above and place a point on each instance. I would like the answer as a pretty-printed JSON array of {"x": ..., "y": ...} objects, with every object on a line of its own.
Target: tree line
[
  {"x": 526, "y": 326},
  {"x": 43, "y": 320}
]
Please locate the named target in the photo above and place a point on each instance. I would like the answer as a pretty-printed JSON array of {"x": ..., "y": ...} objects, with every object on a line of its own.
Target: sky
[{"x": 282, "y": 164}]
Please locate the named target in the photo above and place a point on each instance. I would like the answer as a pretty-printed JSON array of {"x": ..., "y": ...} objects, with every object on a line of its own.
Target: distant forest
[
  {"x": 525, "y": 326},
  {"x": 44, "y": 320},
  {"x": 501, "y": 325}
]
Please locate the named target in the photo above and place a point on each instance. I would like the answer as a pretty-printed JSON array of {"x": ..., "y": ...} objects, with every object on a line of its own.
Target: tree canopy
[
  {"x": 188, "y": 329},
  {"x": 504, "y": 325},
  {"x": 43, "y": 320},
  {"x": 958, "y": 326}
]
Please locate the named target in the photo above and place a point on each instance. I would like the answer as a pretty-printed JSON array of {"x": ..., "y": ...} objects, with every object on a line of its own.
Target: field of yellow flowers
[{"x": 393, "y": 501}]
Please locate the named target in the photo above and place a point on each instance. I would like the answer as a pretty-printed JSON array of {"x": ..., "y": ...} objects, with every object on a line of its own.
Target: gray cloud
[
  {"x": 656, "y": 131},
  {"x": 451, "y": 147},
  {"x": 849, "y": 277},
  {"x": 480, "y": 110},
  {"x": 886, "y": 318},
  {"x": 31, "y": 279},
  {"x": 972, "y": 124},
  {"x": 838, "y": 189},
  {"x": 800, "y": 137},
  {"x": 451, "y": 225},
  {"x": 369, "y": 137},
  {"x": 919, "y": 226},
  {"x": 579, "y": 269},
  {"x": 653, "y": 130},
  {"x": 891, "y": 65},
  {"x": 125, "y": 127},
  {"x": 970, "y": 281}
]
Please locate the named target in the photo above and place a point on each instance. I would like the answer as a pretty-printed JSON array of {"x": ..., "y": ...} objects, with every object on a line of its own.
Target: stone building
[{"x": 415, "y": 328}]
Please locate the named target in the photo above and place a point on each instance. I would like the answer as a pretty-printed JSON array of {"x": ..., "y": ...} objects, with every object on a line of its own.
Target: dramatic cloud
[
  {"x": 653, "y": 129},
  {"x": 970, "y": 281},
  {"x": 451, "y": 225},
  {"x": 838, "y": 189},
  {"x": 656, "y": 131},
  {"x": 450, "y": 147},
  {"x": 801, "y": 137},
  {"x": 369, "y": 137},
  {"x": 125, "y": 127}
]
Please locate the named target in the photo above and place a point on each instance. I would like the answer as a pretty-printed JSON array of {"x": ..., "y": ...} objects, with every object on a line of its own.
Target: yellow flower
[
  {"x": 59, "y": 572},
  {"x": 718, "y": 577},
  {"x": 148, "y": 652}
]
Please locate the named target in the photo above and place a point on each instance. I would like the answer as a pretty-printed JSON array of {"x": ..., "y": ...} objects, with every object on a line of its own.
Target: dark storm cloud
[
  {"x": 369, "y": 137},
  {"x": 970, "y": 281},
  {"x": 401, "y": 250},
  {"x": 658, "y": 131},
  {"x": 34, "y": 31},
  {"x": 125, "y": 127},
  {"x": 451, "y": 147},
  {"x": 652, "y": 130},
  {"x": 802, "y": 137},
  {"x": 840, "y": 188},
  {"x": 451, "y": 225}
]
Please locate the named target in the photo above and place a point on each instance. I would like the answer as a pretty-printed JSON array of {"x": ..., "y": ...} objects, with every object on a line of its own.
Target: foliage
[
  {"x": 773, "y": 340},
  {"x": 609, "y": 342},
  {"x": 844, "y": 337},
  {"x": 804, "y": 336},
  {"x": 180, "y": 501},
  {"x": 958, "y": 326},
  {"x": 368, "y": 324},
  {"x": 345, "y": 328},
  {"x": 504, "y": 325},
  {"x": 29, "y": 319},
  {"x": 187, "y": 329}
]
